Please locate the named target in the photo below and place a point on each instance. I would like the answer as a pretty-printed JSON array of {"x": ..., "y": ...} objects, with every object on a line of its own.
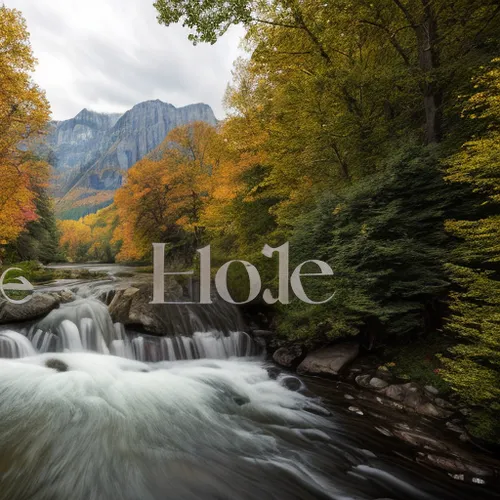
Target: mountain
[{"x": 92, "y": 152}]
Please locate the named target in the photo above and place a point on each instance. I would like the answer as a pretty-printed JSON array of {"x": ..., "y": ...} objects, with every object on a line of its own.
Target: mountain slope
[{"x": 92, "y": 152}]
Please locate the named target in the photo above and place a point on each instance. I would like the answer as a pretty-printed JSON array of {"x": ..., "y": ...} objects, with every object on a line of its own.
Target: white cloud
[{"x": 108, "y": 55}]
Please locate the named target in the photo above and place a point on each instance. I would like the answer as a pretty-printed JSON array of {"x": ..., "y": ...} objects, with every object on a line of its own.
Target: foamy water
[
  {"x": 88, "y": 426},
  {"x": 89, "y": 411}
]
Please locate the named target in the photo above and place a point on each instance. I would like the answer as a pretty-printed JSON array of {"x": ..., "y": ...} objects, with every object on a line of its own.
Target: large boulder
[
  {"x": 39, "y": 305},
  {"x": 119, "y": 308},
  {"x": 289, "y": 357},
  {"x": 329, "y": 360},
  {"x": 133, "y": 308}
]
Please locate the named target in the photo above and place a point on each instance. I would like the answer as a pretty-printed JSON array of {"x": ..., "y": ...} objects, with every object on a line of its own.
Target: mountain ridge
[{"x": 92, "y": 151}]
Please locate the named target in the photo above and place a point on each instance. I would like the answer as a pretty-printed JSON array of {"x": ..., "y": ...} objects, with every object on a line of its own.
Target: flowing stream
[{"x": 90, "y": 411}]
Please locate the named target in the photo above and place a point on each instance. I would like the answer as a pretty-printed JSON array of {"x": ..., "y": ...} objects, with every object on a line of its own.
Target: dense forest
[{"x": 367, "y": 134}]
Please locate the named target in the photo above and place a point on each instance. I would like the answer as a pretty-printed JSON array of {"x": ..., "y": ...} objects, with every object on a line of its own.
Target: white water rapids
[
  {"x": 141, "y": 418},
  {"x": 85, "y": 325}
]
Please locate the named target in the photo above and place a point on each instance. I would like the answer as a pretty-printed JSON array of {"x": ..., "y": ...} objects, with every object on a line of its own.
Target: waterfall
[
  {"x": 15, "y": 345},
  {"x": 85, "y": 325}
]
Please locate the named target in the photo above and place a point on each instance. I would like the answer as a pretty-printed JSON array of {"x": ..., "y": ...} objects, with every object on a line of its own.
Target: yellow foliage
[
  {"x": 165, "y": 194},
  {"x": 24, "y": 112}
]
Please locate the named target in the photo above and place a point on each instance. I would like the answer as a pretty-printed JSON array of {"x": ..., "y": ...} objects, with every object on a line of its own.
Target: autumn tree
[
  {"x": 103, "y": 224},
  {"x": 75, "y": 239},
  {"x": 24, "y": 112},
  {"x": 164, "y": 194}
]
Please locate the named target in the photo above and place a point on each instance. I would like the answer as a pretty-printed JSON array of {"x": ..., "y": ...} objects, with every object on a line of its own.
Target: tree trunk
[{"x": 429, "y": 62}]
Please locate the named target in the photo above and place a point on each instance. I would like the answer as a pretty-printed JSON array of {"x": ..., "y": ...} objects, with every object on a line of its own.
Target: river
[{"x": 92, "y": 411}]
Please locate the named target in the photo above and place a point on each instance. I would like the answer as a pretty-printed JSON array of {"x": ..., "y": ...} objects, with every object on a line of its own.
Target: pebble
[{"x": 356, "y": 410}]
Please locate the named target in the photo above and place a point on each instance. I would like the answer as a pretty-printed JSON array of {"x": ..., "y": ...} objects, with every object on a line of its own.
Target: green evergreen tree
[
  {"x": 40, "y": 240},
  {"x": 384, "y": 238}
]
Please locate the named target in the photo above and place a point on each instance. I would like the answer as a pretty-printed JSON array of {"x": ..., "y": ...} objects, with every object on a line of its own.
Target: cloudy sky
[{"x": 108, "y": 55}]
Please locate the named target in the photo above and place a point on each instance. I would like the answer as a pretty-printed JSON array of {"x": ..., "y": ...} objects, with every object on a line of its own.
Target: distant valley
[{"x": 92, "y": 152}]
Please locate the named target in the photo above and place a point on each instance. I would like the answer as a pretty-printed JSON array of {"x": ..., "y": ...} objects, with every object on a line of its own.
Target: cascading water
[
  {"x": 85, "y": 325},
  {"x": 147, "y": 418}
]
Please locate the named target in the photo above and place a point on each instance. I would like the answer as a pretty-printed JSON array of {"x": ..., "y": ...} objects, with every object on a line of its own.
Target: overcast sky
[{"x": 108, "y": 55}]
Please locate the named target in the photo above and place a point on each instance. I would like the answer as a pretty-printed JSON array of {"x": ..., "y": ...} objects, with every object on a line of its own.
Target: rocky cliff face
[{"x": 92, "y": 151}]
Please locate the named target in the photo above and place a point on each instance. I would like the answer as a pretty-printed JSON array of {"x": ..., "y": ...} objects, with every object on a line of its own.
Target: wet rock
[
  {"x": 363, "y": 380},
  {"x": 133, "y": 307},
  {"x": 396, "y": 392},
  {"x": 443, "y": 404},
  {"x": 413, "y": 399},
  {"x": 454, "y": 427},
  {"x": 411, "y": 396},
  {"x": 431, "y": 390},
  {"x": 119, "y": 308},
  {"x": 66, "y": 296},
  {"x": 430, "y": 410},
  {"x": 356, "y": 410},
  {"x": 378, "y": 383},
  {"x": 57, "y": 364},
  {"x": 421, "y": 440},
  {"x": 456, "y": 465},
  {"x": 39, "y": 305},
  {"x": 241, "y": 400},
  {"x": 292, "y": 383},
  {"x": 330, "y": 360},
  {"x": 289, "y": 357}
]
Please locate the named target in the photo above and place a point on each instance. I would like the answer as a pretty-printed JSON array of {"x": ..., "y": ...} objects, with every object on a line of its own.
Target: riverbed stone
[
  {"x": 456, "y": 465},
  {"x": 363, "y": 381},
  {"x": 430, "y": 410},
  {"x": 291, "y": 383},
  {"x": 39, "y": 305},
  {"x": 443, "y": 404},
  {"x": 66, "y": 296},
  {"x": 289, "y": 357},
  {"x": 378, "y": 383},
  {"x": 396, "y": 392},
  {"x": 433, "y": 391},
  {"x": 329, "y": 360},
  {"x": 454, "y": 427}
]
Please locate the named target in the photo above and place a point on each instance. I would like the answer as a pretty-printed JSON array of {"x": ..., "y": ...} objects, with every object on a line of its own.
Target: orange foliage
[
  {"x": 24, "y": 113},
  {"x": 166, "y": 193},
  {"x": 75, "y": 239}
]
